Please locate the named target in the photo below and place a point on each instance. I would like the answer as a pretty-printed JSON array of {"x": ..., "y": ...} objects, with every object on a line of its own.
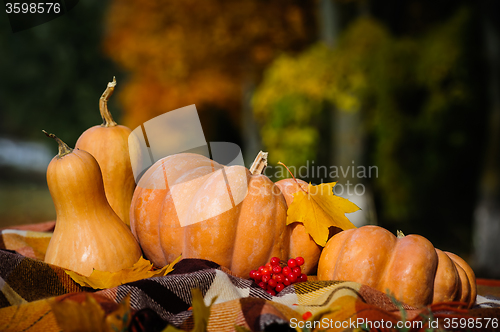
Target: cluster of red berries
[{"x": 273, "y": 278}]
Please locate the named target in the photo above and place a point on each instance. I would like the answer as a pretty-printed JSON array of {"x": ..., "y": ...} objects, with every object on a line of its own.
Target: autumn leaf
[
  {"x": 119, "y": 320},
  {"x": 318, "y": 209},
  {"x": 90, "y": 316},
  {"x": 201, "y": 313},
  {"x": 74, "y": 316},
  {"x": 140, "y": 270}
]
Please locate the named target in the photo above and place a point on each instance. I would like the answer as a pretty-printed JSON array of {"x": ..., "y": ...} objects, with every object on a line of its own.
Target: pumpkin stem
[
  {"x": 64, "y": 149},
  {"x": 400, "y": 234},
  {"x": 103, "y": 105},
  {"x": 259, "y": 164},
  {"x": 297, "y": 182}
]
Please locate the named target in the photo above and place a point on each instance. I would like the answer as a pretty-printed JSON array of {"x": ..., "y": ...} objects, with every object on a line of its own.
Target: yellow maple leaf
[
  {"x": 318, "y": 209},
  {"x": 140, "y": 270}
]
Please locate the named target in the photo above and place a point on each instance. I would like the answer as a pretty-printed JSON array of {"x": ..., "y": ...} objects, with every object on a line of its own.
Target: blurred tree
[
  {"x": 487, "y": 214},
  {"x": 210, "y": 53},
  {"x": 416, "y": 99},
  {"x": 292, "y": 96},
  {"x": 53, "y": 75}
]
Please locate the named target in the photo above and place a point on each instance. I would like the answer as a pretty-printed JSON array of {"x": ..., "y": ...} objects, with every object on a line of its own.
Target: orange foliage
[{"x": 198, "y": 52}]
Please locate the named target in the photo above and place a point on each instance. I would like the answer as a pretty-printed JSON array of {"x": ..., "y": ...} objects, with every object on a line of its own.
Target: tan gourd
[
  {"x": 108, "y": 143},
  {"x": 88, "y": 233}
]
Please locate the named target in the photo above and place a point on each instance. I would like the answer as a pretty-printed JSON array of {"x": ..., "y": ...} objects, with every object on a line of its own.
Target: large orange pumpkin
[
  {"x": 409, "y": 267},
  {"x": 188, "y": 204}
]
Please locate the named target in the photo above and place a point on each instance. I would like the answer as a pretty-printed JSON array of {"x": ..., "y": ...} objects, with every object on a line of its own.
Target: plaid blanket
[{"x": 40, "y": 297}]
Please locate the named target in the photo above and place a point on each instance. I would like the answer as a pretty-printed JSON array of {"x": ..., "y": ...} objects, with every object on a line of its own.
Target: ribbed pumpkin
[
  {"x": 301, "y": 243},
  {"x": 108, "y": 143},
  {"x": 230, "y": 216},
  {"x": 88, "y": 234},
  {"x": 409, "y": 266}
]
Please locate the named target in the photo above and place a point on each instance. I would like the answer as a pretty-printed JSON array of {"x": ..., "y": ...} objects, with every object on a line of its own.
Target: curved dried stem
[{"x": 64, "y": 149}]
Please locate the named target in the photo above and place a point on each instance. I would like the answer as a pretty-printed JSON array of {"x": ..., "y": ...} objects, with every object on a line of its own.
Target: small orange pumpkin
[
  {"x": 301, "y": 243},
  {"x": 409, "y": 267}
]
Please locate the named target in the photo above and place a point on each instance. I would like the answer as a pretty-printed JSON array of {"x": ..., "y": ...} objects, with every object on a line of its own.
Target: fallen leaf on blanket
[
  {"x": 141, "y": 270},
  {"x": 201, "y": 313},
  {"x": 89, "y": 315},
  {"x": 318, "y": 209},
  {"x": 119, "y": 320}
]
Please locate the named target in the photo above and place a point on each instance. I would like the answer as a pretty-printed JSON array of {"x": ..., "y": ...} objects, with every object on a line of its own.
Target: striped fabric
[{"x": 32, "y": 290}]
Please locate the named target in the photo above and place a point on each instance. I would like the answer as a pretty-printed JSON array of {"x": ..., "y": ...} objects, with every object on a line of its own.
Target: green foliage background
[{"x": 420, "y": 111}]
